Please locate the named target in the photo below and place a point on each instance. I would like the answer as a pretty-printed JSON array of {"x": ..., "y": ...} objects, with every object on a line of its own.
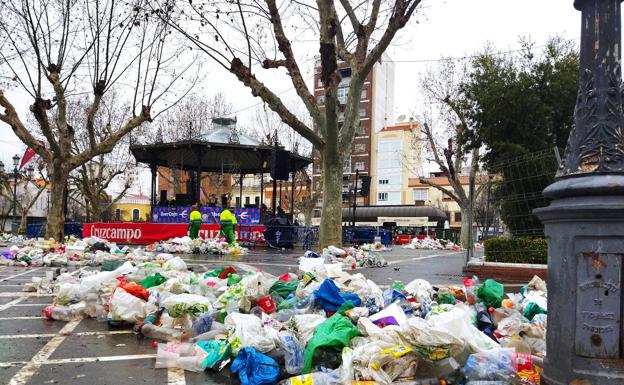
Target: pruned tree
[
  {"x": 251, "y": 39},
  {"x": 62, "y": 50},
  {"x": 451, "y": 139}
]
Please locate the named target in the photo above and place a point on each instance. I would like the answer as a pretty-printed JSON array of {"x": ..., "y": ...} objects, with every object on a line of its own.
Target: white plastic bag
[
  {"x": 345, "y": 372},
  {"x": 176, "y": 264},
  {"x": 67, "y": 292},
  {"x": 181, "y": 304},
  {"x": 126, "y": 307},
  {"x": 457, "y": 322},
  {"x": 248, "y": 329},
  {"x": 420, "y": 289},
  {"x": 309, "y": 264}
]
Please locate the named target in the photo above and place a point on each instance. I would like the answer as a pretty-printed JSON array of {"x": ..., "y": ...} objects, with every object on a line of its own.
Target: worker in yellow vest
[
  {"x": 195, "y": 222},
  {"x": 228, "y": 226}
]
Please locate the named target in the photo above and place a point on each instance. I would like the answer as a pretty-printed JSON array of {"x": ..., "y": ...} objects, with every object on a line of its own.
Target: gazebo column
[
  {"x": 292, "y": 197},
  {"x": 153, "y": 189},
  {"x": 198, "y": 178},
  {"x": 240, "y": 193}
]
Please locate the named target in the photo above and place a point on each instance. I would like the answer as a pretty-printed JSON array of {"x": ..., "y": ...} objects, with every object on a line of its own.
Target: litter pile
[
  {"x": 186, "y": 245},
  {"x": 376, "y": 246},
  {"x": 95, "y": 251},
  {"x": 428, "y": 243},
  {"x": 350, "y": 259},
  {"x": 325, "y": 326},
  {"x": 11, "y": 238}
]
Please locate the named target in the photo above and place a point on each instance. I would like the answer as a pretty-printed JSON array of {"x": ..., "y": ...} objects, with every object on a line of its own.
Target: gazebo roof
[{"x": 214, "y": 152}]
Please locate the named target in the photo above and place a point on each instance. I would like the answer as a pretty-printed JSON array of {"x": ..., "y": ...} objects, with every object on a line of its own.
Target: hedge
[{"x": 516, "y": 250}]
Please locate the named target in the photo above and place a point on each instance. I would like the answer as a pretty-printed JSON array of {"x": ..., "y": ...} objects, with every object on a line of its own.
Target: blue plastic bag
[
  {"x": 202, "y": 324},
  {"x": 255, "y": 368},
  {"x": 329, "y": 298}
]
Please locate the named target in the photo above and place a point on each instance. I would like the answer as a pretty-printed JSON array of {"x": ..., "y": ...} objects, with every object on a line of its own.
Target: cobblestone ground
[{"x": 39, "y": 351}]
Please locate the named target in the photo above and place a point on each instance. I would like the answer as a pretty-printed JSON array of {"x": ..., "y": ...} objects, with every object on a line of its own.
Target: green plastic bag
[
  {"x": 345, "y": 307},
  {"x": 233, "y": 279},
  {"x": 531, "y": 309},
  {"x": 335, "y": 332},
  {"x": 491, "y": 293},
  {"x": 152, "y": 280},
  {"x": 217, "y": 352},
  {"x": 214, "y": 273},
  {"x": 448, "y": 299},
  {"x": 283, "y": 289}
]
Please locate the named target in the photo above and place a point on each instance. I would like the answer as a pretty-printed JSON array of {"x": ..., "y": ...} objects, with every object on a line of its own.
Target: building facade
[
  {"x": 132, "y": 208},
  {"x": 376, "y": 110},
  {"x": 398, "y": 156}
]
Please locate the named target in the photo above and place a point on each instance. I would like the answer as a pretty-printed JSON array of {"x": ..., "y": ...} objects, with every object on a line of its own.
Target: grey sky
[{"x": 452, "y": 28}]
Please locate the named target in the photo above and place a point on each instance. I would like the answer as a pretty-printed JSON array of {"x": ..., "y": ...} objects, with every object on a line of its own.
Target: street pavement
[{"x": 38, "y": 351}]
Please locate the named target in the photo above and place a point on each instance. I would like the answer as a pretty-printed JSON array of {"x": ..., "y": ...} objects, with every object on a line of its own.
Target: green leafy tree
[{"x": 521, "y": 105}]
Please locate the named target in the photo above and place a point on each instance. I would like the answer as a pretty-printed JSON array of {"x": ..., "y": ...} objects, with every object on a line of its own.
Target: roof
[
  {"x": 190, "y": 155},
  {"x": 407, "y": 126},
  {"x": 443, "y": 181},
  {"x": 224, "y": 134},
  {"x": 372, "y": 213}
]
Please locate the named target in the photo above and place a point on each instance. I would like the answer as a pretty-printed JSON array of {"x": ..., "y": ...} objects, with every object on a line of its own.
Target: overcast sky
[{"x": 450, "y": 28}]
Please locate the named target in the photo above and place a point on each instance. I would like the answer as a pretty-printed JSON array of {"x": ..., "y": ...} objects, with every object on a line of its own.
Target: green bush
[{"x": 516, "y": 250}]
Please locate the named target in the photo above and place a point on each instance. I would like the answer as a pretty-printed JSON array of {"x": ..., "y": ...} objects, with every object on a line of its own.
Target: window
[
  {"x": 383, "y": 181},
  {"x": 382, "y": 196},
  {"x": 421, "y": 195},
  {"x": 347, "y": 166},
  {"x": 359, "y": 166},
  {"x": 238, "y": 202},
  {"x": 136, "y": 215},
  {"x": 247, "y": 200},
  {"x": 359, "y": 148},
  {"x": 257, "y": 201},
  {"x": 320, "y": 99},
  {"x": 118, "y": 215},
  {"x": 319, "y": 82},
  {"x": 342, "y": 93},
  {"x": 364, "y": 94},
  {"x": 361, "y": 130},
  {"x": 362, "y": 112},
  {"x": 458, "y": 217}
]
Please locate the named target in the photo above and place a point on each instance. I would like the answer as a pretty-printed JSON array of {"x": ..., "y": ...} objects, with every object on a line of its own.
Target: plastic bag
[
  {"x": 328, "y": 296},
  {"x": 136, "y": 290},
  {"x": 217, "y": 351},
  {"x": 345, "y": 373},
  {"x": 316, "y": 378},
  {"x": 202, "y": 325},
  {"x": 457, "y": 322},
  {"x": 531, "y": 309},
  {"x": 392, "y": 363},
  {"x": 126, "y": 307},
  {"x": 283, "y": 289},
  {"x": 335, "y": 332},
  {"x": 66, "y": 293},
  {"x": 495, "y": 364},
  {"x": 491, "y": 293},
  {"x": 246, "y": 330},
  {"x": 392, "y": 315},
  {"x": 255, "y": 368},
  {"x": 293, "y": 353},
  {"x": 176, "y": 264},
  {"x": 181, "y": 304},
  {"x": 306, "y": 324},
  {"x": 152, "y": 281}
]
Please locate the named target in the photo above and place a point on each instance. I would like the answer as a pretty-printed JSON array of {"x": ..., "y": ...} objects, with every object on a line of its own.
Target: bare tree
[
  {"x": 354, "y": 33},
  {"x": 268, "y": 127},
  {"x": 449, "y": 143},
  {"x": 68, "y": 49}
]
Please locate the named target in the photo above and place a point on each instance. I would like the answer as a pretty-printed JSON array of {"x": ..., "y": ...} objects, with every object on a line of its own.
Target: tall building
[
  {"x": 398, "y": 159},
  {"x": 376, "y": 110}
]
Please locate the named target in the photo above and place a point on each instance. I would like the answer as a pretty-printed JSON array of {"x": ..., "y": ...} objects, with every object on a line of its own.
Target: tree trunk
[
  {"x": 331, "y": 214},
  {"x": 55, "y": 226},
  {"x": 23, "y": 220},
  {"x": 466, "y": 227}
]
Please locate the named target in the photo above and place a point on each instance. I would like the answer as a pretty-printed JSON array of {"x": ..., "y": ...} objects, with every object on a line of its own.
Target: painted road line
[
  {"x": 61, "y": 361},
  {"x": 21, "y": 318},
  {"x": 175, "y": 376},
  {"x": 5, "y": 365},
  {"x": 23, "y": 294},
  {"x": 25, "y": 373},
  {"x": 420, "y": 258},
  {"x": 31, "y": 304},
  {"x": 79, "y": 334},
  {"x": 17, "y": 275},
  {"x": 224, "y": 262},
  {"x": 11, "y": 303}
]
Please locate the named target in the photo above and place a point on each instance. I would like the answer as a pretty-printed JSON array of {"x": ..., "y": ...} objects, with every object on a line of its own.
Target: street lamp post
[{"x": 584, "y": 222}]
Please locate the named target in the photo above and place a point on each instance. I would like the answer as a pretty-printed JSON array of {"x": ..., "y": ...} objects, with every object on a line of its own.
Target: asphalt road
[{"x": 38, "y": 351}]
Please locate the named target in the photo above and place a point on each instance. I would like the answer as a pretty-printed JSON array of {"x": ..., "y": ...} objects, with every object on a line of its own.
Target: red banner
[
  {"x": 146, "y": 233},
  {"x": 28, "y": 155}
]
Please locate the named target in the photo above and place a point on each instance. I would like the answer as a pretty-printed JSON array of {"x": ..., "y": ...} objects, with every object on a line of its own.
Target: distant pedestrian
[{"x": 195, "y": 222}]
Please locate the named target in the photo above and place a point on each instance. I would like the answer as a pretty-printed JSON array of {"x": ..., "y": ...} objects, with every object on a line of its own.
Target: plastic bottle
[
  {"x": 190, "y": 363},
  {"x": 202, "y": 324},
  {"x": 293, "y": 353},
  {"x": 160, "y": 333}
]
